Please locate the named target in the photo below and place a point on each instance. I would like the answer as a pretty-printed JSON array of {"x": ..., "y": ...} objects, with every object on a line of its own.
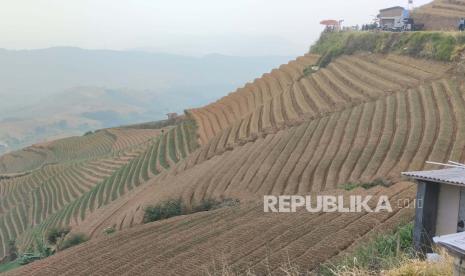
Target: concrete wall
[{"x": 448, "y": 209}]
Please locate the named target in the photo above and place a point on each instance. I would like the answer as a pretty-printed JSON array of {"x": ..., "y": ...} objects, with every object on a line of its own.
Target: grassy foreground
[
  {"x": 389, "y": 254},
  {"x": 442, "y": 46}
]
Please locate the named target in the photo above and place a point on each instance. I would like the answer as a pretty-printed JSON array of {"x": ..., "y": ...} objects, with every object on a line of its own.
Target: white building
[{"x": 394, "y": 18}]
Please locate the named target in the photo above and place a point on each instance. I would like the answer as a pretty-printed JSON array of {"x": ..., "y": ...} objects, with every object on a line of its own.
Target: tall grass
[
  {"x": 384, "y": 252},
  {"x": 441, "y": 46},
  {"x": 388, "y": 254}
]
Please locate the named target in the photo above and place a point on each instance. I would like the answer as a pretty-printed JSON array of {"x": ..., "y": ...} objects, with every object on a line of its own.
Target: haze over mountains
[{"x": 62, "y": 91}]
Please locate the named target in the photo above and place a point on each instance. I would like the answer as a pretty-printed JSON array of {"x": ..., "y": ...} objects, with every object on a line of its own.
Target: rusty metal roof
[{"x": 452, "y": 176}]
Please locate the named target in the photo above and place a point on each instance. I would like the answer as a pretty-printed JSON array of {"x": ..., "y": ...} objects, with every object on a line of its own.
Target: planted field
[
  {"x": 27, "y": 201},
  {"x": 240, "y": 238},
  {"x": 360, "y": 118},
  {"x": 373, "y": 140},
  {"x": 287, "y": 95},
  {"x": 93, "y": 145},
  {"x": 447, "y": 8},
  {"x": 223, "y": 113},
  {"x": 62, "y": 194},
  {"x": 67, "y": 194},
  {"x": 440, "y": 14}
]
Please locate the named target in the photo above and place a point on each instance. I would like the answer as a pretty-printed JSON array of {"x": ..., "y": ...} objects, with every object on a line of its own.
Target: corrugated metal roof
[{"x": 453, "y": 176}]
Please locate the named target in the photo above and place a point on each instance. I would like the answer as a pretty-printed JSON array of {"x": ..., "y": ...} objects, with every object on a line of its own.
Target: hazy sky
[{"x": 235, "y": 27}]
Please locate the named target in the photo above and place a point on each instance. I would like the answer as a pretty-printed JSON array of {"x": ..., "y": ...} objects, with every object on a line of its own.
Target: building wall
[
  {"x": 387, "y": 22},
  {"x": 448, "y": 210}
]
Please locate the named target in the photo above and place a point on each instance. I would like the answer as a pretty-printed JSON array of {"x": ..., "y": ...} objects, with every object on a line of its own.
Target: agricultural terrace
[
  {"x": 103, "y": 181},
  {"x": 440, "y": 14},
  {"x": 63, "y": 193},
  {"x": 89, "y": 146},
  {"x": 346, "y": 82},
  {"x": 240, "y": 238}
]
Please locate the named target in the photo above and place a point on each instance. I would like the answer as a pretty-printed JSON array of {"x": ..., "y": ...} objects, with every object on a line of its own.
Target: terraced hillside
[
  {"x": 237, "y": 105},
  {"x": 89, "y": 146},
  {"x": 347, "y": 81},
  {"x": 64, "y": 193},
  {"x": 240, "y": 238},
  {"x": 296, "y": 130},
  {"x": 372, "y": 140},
  {"x": 440, "y": 14}
]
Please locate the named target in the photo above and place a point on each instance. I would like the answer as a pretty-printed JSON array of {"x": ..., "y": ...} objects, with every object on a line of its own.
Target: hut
[{"x": 440, "y": 204}]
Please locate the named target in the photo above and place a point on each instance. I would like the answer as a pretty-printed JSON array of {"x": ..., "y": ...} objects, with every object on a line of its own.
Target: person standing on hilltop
[{"x": 462, "y": 24}]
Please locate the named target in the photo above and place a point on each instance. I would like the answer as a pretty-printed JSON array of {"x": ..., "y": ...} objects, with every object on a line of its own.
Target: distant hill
[
  {"x": 76, "y": 111},
  {"x": 63, "y": 91}
]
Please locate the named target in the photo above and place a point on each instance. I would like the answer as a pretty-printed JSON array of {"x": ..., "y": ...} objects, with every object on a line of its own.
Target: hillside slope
[
  {"x": 241, "y": 238},
  {"x": 360, "y": 144},
  {"x": 440, "y": 14},
  {"x": 87, "y": 177},
  {"x": 362, "y": 116},
  {"x": 73, "y": 148}
]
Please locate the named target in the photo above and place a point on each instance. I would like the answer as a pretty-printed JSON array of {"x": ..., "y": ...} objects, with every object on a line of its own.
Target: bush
[
  {"x": 168, "y": 209},
  {"x": 367, "y": 185},
  {"x": 72, "y": 240},
  {"x": 28, "y": 258},
  {"x": 173, "y": 208},
  {"x": 54, "y": 234},
  {"x": 41, "y": 248}
]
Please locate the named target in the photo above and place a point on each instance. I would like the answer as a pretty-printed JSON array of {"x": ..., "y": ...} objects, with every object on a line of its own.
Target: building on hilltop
[
  {"x": 393, "y": 18},
  {"x": 440, "y": 204}
]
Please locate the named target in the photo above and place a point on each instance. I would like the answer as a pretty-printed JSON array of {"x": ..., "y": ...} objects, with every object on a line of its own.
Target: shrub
[
  {"x": 41, "y": 248},
  {"x": 367, "y": 185},
  {"x": 350, "y": 186},
  {"x": 28, "y": 258},
  {"x": 164, "y": 210},
  {"x": 172, "y": 208},
  {"x": 54, "y": 234},
  {"x": 72, "y": 240}
]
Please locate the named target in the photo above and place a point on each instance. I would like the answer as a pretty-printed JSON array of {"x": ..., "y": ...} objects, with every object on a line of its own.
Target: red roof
[{"x": 329, "y": 22}]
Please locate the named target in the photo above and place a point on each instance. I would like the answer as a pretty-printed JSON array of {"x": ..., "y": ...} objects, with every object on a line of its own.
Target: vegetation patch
[
  {"x": 73, "y": 240},
  {"x": 440, "y": 46},
  {"x": 384, "y": 252},
  {"x": 175, "y": 207},
  {"x": 56, "y": 234},
  {"x": 109, "y": 230},
  {"x": 9, "y": 266},
  {"x": 367, "y": 185}
]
